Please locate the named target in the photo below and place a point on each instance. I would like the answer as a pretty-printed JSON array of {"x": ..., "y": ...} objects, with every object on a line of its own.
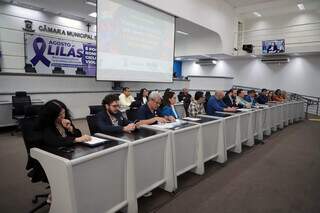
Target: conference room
[{"x": 159, "y": 106}]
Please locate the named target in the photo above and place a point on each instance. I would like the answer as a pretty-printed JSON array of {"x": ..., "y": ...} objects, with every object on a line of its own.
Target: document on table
[
  {"x": 192, "y": 119},
  {"x": 244, "y": 110},
  {"x": 171, "y": 125},
  {"x": 95, "y": 141},
  {"x": 262, "y": 106}
]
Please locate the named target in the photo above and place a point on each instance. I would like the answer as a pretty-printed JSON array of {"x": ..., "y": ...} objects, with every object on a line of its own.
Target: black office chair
[
  {"x": 57, "y": 70},
  {"x": 28, "y": 68},
  {"x": 91, "y": 120},
  {"x": 94, "y": 109},
  {"x": 19, "y": 102},
  {"x": 33, "y": 138},
  {"x": 132, "y": 114},
  {"x": 80, "y": 71},
  {"x": 32, "y": 111}
]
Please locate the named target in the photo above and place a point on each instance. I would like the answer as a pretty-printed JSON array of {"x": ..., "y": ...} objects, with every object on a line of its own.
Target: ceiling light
[
  {"x": 257, "y": 14},
  {"x": 178, "y": 59},
  {"x": 92, "y": 3},
  {"x": 301, "y": 6},
  {"x": 182, "y": 33},
  {"x": 94, "y": 14},
  {"x": 214, "y": 61}
]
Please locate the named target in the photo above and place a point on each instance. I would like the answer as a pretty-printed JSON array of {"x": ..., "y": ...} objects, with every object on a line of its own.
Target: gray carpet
[{"x": 283, "y": 175}]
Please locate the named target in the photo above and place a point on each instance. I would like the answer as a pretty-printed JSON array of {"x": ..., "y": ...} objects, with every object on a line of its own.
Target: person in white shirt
[{"x": 125, "y": 98}]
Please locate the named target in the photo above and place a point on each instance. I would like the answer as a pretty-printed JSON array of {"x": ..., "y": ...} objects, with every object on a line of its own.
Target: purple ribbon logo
[{"x": 39, "y": 52}]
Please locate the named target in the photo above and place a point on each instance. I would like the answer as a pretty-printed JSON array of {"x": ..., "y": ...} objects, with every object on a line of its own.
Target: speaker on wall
[{"x": 248, "y": 48}]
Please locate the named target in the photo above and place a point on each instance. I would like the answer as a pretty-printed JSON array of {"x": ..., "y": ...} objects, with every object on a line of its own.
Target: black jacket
[
  {"x": 104, "y": 123},
  {"x": 53, "y": 138},
  {"x": 228, "y": 102}
]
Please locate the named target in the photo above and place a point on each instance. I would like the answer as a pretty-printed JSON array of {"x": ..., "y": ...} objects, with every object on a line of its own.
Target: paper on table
[
  {"x": 95, "y": 140},
  {"x": 244, "y": 110},
  {"x": 192, "y": 119},
  {"x": 171, "y": 125},
  {"x": 262, "y": 106}
]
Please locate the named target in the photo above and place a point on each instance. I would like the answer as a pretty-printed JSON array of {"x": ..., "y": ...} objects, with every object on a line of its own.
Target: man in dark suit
[{"x": 111, "y": 120}]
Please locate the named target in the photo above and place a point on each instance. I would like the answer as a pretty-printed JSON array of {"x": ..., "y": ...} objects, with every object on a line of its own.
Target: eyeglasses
[{"x": 115, "y": 105}]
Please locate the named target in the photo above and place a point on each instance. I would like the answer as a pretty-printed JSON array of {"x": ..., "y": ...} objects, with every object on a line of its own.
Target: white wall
[
  {"x": 300, "y": 75},
  {"x": 301, "y": 31},
  {"x": 216, "y": 15}
]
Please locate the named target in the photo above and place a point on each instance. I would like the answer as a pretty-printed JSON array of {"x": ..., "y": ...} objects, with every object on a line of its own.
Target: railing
[{"x": 311, "y": 103}]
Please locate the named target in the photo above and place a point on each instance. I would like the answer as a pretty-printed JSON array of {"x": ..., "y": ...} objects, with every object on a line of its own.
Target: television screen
[{"x": 273, "y": 46}]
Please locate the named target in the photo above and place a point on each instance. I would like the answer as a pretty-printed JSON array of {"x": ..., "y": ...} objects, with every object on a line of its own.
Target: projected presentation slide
[{"x": 134, "y": 42}]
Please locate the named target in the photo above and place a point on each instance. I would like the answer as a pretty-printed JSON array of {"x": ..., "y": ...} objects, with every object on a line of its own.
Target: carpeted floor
[{"x": 281, "y": 176}]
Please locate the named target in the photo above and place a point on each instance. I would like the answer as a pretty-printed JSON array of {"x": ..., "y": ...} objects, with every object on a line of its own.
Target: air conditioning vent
[
  {"x": 275, "y": 60},
  {"x": 206, "y": 62}
]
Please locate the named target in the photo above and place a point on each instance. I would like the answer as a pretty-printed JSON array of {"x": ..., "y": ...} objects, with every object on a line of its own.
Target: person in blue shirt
[
  {"x": 168, "y": 111},
  {"x": 148, "y": 114},
  {"x": 216, "y": 104},
  {"x": 263, "y": 98},
  {"x": 250, "y": 97}
]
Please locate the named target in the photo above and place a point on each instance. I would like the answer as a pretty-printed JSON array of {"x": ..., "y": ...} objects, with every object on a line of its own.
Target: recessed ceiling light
[
  {"x": 92, "y": 3},
  {"x": 182, "y": 33},
  {"x": 94, "y": 14},
  {"x": 257, "y": 14},
  {"x": 301, "y": 6}
]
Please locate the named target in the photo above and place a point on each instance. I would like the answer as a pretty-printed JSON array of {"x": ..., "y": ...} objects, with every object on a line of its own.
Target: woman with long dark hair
[
  {"x": 56, "y": 126},
  {"x": 167, "y": 109}
]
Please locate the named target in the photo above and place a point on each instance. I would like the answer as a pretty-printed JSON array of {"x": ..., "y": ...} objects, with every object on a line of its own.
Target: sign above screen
[
  {"x": 134, "y": 42},
  {"x": 273, "y": 46}
]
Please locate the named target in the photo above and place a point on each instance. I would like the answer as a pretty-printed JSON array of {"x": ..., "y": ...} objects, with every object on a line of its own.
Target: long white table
[{"x": 108, "y": 178}]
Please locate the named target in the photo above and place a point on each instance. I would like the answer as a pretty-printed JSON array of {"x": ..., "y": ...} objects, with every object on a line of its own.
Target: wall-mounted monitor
[{"x": 273, "y": 46}]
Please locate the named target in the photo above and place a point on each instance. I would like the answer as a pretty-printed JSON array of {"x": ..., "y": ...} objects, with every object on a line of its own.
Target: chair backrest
[
  {"x": 20, "y": 93},
  {"x": 19, "y": 103},
  {"x": 132, "y": 114},
  {"x": 58, "y": 70},
  {"x": 33, "y": 111},
  {"x": 31, "y": 137},
  {"x": 94, "y": 109},
  {"x": 91, "y": 120}
]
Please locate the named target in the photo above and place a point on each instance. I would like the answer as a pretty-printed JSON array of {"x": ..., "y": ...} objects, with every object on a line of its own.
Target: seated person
[
  {"x": 284, "y": 95},
  {"x": 230, "y": 98},
  {"x": 262, "y": 98},
  {"x": 240, "y": 101},
  {"x": 143, "y": 96},
  {"x": 196, "y": 106},
  {"x": 56, "y": 126},
  {"x": 215, "y": 104},
  {"x": 141, "y": 99},
  {"x": 111, "y": 120},
  {"x": 270, "y": 96},
  {"x": 147, "y": 114},
  {"x": 250, "y": 98},
  {"x": 186, "y": 98},
  {"x": 277, "y": 96},
  {"x": 167, "y": 110},
  {"x": 125, "y": 97}
]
